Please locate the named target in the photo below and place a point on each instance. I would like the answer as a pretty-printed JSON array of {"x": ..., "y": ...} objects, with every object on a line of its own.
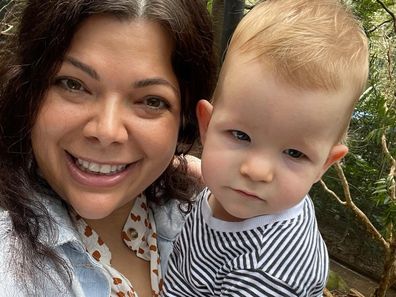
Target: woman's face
[{"x": 109, "y": 122}]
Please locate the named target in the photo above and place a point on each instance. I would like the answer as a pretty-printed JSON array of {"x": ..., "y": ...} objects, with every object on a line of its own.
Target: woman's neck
[
  {"x": 123, "y": 258},
  {"x": 109, "y": 228}
]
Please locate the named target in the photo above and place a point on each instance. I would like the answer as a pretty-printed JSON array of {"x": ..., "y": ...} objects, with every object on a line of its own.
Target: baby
[{"x": 290, "y": 80}]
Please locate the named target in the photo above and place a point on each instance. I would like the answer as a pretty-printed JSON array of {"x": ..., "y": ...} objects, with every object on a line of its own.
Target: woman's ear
[
  {"x": 204, "y": 113},
  {"x": 336, "y": 154}
]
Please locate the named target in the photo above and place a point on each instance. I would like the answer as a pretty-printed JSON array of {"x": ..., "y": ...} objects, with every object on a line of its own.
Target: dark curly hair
[{"x": 36, "y": 34}]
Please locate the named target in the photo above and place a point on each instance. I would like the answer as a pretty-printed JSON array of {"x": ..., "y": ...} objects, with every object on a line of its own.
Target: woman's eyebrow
[
  {"x": 138, "y": 84},
  {"x": 84, "y": 67},
  {"x": 155, "y": 81}
]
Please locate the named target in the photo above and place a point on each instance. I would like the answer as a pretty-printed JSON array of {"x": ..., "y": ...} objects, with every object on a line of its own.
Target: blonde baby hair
[{"x": 311, "y": 44}]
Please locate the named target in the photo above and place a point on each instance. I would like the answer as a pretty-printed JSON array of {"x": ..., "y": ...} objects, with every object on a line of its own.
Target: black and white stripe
[{"x": 286, "y": 257}]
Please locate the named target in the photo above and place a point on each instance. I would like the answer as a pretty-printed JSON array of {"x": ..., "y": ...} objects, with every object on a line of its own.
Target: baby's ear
[
  {"x": 204, "y": 113},
  {"x": 336, "y": 154}
]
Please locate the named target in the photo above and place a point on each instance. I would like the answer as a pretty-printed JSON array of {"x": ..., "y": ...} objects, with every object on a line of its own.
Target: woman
[{"x": 97, "y": 99}]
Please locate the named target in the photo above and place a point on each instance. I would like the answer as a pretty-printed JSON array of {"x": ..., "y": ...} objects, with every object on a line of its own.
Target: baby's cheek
[{"x": 295, "y": 190}]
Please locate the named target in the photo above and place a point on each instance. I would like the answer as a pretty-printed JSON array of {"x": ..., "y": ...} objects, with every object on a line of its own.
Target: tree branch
[
  {"x": 391, "y": 174},
  {"x": 332, "y": 193},
  {"x": 380, "y": 25},
  {"x": 389, "y": 12},
  {"x": 350, "y": 204},
  {"x": 360, "y": 214}
]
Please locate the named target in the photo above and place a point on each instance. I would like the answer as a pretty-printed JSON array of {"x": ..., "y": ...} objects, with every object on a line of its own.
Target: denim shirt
[{"x": 88, "y": 276}]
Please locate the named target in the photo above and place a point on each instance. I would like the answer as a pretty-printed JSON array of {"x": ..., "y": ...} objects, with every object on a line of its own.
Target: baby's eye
[
  {"x": 240, "y": 135},
  {"x": 295, "y": 154},
  {"x": 155, "y": 103},
  {"x": 70, "y": 84}
]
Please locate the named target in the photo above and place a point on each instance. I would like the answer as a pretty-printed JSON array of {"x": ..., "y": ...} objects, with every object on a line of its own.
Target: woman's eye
[
  {"x": 155, "y": 103},
  {"x": 240, "y": 135},
  {"x": 70, "y": 84},
  {"x": 295, "y": 154}
]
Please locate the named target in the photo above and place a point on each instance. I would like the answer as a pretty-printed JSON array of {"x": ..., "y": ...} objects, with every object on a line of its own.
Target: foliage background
[{"x": 367, "y": 166}]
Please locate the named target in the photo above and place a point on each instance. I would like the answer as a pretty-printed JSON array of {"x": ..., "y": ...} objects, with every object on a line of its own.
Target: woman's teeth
[{"x": 99, "y": 168}]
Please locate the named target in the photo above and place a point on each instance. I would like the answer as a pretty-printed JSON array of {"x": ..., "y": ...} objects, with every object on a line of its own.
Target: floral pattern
[{"x": 139, "y": 234}]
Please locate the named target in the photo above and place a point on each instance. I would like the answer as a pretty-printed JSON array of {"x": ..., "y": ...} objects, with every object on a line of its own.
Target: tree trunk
[
  {"x": 233, "y": 12},
  {"x": 226, "y": 16},
  {"x": 388, "y": 272},
  {"x": 218, "y": 20}
]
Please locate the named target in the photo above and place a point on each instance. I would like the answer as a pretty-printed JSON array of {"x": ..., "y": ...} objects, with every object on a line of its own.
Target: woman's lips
[{"x": 97, "y": 174}]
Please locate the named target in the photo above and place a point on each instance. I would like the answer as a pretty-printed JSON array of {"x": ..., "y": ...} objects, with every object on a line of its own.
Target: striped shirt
[{"x": 270, "y": 255}]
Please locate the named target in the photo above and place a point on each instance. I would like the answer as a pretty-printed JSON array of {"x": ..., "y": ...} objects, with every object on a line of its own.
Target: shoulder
[
  {"x": 47, "y": 280},
  {"x": 6, "y": 234},
  {"x": 4, "y": 215},
  {"x": 5, "y": 228},
  {"x": 298, "y": 234},
  {"x": 297, "y": 241},
  {"x": 170, "y": 217},
  {"x": 300, "y": 217},
  {"x": 8, "y": 247},
  {"x": 169, "y": 221}
]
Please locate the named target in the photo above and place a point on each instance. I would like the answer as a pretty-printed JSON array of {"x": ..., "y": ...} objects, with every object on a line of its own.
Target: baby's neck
[{"x": 219, "y": 212}]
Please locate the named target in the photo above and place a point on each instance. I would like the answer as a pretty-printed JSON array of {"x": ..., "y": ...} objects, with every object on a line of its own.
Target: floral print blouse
[{"x": 139, "y": 234}]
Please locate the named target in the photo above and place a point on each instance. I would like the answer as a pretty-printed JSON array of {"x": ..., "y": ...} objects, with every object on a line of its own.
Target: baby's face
[{"x": 268, "y": 142}]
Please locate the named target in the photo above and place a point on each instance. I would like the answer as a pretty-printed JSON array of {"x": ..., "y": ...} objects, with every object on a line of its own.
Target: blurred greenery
[
  {"x": 366, "y": 166},
  {"x": 336, "y": 282}
]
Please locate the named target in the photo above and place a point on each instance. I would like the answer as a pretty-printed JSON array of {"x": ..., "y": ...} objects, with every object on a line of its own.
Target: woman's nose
[
  {"x": 107, "y": 125},
  {"x": 258, "y": 168}
]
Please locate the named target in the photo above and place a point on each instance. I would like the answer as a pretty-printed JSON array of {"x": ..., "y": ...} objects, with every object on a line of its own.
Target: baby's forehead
[
  {"x": 293, "y": 71},
  {"x": 259, "y": 98}
]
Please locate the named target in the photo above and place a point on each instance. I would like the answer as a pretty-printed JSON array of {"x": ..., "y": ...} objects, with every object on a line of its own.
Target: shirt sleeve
[{"x": 252, "y": 283}]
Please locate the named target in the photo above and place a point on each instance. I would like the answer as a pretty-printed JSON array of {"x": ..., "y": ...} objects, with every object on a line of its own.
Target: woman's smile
[
  {"x": 102, "y": 168},
  {"x": 92, "y": 167},
  {"x": 94, "y": 174}
]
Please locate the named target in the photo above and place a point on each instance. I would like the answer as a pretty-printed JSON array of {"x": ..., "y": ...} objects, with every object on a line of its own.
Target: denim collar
[{"x": 65, "y": 231}]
